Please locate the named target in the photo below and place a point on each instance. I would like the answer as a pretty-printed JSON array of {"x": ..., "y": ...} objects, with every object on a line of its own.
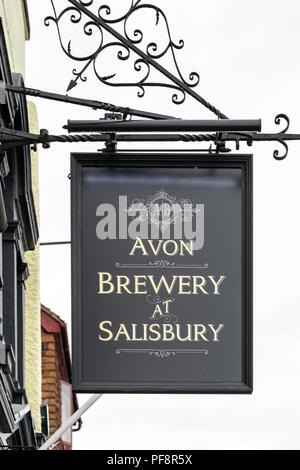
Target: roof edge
[{"x": 53, "y": 315}]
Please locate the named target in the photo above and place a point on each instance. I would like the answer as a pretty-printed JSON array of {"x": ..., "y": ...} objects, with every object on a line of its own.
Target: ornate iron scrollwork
[
  {"x": 280, "y": 135},
  {"x": 131, "y": 33}
]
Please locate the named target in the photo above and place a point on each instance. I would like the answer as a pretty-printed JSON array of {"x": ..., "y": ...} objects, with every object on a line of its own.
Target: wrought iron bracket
[
  {"x": 93, "y": 104},
  {"x": 110, "y": 143},
  {"x": 145, "y": 55},
  {"x": 131, "y": 43},
  {"x": 117, "y": 33},
  {"x": 10, "y": 138},
  {"x": 220, "y": 144}
]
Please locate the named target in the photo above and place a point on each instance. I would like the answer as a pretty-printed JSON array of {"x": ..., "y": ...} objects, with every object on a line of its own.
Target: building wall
[
  {"x": 15, "y": 26},
  {"x": 13, "y": 17},
  {"x": 33, "y": 376},
  {"x": 51, "y": 388}
]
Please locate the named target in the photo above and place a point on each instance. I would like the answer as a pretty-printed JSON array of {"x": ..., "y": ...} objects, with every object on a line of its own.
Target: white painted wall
[{"x": 15, "y": 30}]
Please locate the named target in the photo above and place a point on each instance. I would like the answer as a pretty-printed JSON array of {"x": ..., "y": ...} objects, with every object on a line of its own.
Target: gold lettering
[
  {"x": 123, "y": 282},
  {"x": 199, "y": 284},
  {"x": 217, "y": 284},
  {"x": 139, "y": 283},
  {"x": 102, "y": 281},
  {"x": 216, "y": 331},
  {"x": 168, "y": 330},
  {"x": 198, "y": 327},
  {"x": 138, "y": 245},
  {"x": 188, "y": 337},
  {"x": 157, "y": 311},
  {"x": 175, "y": 248},
  {"x": 134, "y": 338},
  {"x": 183, "y": 283},
  {"x": 101, "y": 327},
  {"x": 122, "y": 331},
  {"x": 156, "y": 287},
  {"x": 152, "y": 329},
  {"x": 157, "y": 249},
  {"x": 184, "y": 245}
]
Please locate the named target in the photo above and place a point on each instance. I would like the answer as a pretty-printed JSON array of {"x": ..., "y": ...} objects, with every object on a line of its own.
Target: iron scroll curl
[{"x": 277, "y": 121}]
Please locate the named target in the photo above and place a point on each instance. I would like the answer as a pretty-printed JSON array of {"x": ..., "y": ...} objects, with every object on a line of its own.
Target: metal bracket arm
[
  {"x": 72, "y": 420},
  {"x": 126, "y": 111},
  {"x": 11, "y": 139}
]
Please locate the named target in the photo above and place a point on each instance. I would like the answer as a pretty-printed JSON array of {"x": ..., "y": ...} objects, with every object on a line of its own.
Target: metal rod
[
  {"x": 147, "y": 58},
  {"x": 70, "y": 421},
  {"x": 171, "y": 125},
  {"x": 19, "y": 134},
  {"x": 10, "y": 139},
  {"x": 54, "y": 243},
  {"x": 74, "y": 138},
  {"x": 83, "y": 102},
  {"x": 167, "y": 150}
]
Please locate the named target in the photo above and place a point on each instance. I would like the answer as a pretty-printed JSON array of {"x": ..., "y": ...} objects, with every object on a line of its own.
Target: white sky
[{"x": 247, "y": 54}]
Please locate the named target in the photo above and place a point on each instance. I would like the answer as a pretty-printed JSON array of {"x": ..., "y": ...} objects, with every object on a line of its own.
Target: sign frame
[{"x": 163, "y": 160}]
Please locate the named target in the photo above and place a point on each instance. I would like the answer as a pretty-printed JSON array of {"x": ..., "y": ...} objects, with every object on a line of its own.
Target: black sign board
[{"x": 162, "y": 273}]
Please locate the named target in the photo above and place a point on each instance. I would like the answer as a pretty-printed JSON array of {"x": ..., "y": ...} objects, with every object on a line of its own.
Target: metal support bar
[
  {"x": 81, "y": 102},
  {"x": 55, "y": 243},
  {"x": 73, "y": 138},
  {"x": 72, "y": 420},
  {"x": 19, "y": 134},
  {"x": 219, "y": 125},
  {"x": 10, "y": 138}
]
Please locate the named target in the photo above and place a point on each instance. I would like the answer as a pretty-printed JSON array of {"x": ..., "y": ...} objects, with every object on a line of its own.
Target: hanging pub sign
[{"x": 162, "y": 273}]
